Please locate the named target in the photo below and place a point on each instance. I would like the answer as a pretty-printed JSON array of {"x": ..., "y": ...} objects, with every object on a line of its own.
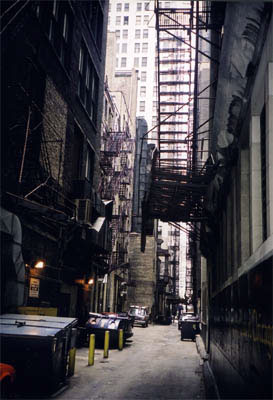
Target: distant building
[{"x": 117, "y": 162}]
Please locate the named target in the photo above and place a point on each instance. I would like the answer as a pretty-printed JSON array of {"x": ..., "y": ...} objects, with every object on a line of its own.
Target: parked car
[
  {"x": 140, "y": 315},
  {"x": 99, "y": 323}
]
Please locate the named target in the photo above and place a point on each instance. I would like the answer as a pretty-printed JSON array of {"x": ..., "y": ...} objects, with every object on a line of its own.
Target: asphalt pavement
[{"x": 154, "y": 364}]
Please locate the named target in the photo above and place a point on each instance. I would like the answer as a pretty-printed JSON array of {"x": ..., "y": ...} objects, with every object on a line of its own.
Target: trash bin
[
  {"x": 97, "y": 324},
  {"x": 189, "y": 327},
  {"x": 37, "y": 347}
]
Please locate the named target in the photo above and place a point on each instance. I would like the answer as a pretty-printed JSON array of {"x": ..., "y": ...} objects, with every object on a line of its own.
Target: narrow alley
[{"x": 154, "y": 364}]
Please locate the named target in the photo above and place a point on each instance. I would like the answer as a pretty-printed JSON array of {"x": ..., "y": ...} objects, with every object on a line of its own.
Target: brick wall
[{"x": 142, "y": 271}]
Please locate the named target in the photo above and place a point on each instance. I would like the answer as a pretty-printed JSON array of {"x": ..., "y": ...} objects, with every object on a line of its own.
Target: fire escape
[
  {"x": 180, "y": 176},
  {"x": 117, "y": 146}
]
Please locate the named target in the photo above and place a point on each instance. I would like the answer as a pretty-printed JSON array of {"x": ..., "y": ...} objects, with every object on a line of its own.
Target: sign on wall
[{"x": 34, "y": 286}]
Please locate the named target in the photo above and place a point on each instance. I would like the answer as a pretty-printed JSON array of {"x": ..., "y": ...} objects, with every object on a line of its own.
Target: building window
[
  {"x": 126, "y": 6},
  {"x": 145, "y": 19},
  {"x": 117, "y": 48},
  {"x": 59, "y": 31},
  {"x": 124, "y": 48},
  {"x": 139, "y": 6},
  {"x": 145, "y": 33},
  {"x": 142, "y": 91},
  {"x": 142, "y": 106},
  {"x": 94, "y": 15},
  {"x": 118, "y": 34},
  {"x": 88, "y": 85},
  {"x": 154, "y": 106},
  {"x": 154, "y": 90},
  {"x": 77, "y": 154},
  {"x": 123, "y": 62},
  {"x": 118, "y": 8},
  {"x": 146, "y": 6},
  {"x": 154, "y": 120},
  {"x": 137, "y": 47},
  {"x": 125, "y": 20},
  {"x": 118, "y": 20},
  {"x": 125, "y": 34},
  {"x": 144, "y": 62},
  {"x": 136, "y": 62},
  {"x": 167, "y": 4},
  {"x": 137, "y": 34},
  {"x": 143, "y": 76},
  {"x": 144, "y": 47},
  {"x": 89, "y": 166},
  {"x": 138, "y": 20}
]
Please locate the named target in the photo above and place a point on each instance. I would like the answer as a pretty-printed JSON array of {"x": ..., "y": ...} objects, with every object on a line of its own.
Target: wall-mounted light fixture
[
  {"x": 39, "y": 264},
  {"x": 91, "y": 281}
]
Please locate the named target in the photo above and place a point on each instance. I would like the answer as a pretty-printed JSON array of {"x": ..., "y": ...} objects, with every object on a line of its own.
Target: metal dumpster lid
[
  {"x": 39, "y": 321},
  {"x": 28, "y": 331}
]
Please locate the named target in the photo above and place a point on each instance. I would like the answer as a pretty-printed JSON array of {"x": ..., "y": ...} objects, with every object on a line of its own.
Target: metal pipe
[{"x": 25, "y": 146}]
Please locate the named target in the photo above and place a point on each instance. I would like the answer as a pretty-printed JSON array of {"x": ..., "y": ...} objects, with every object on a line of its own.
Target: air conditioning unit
[{"x": 84, "y": 209}]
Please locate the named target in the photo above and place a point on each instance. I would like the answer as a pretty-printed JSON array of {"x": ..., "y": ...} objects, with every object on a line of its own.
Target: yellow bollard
[
  {"x": 71, "y": 362},
  {"x": 106, "y": 345},
  {"x": 120, "y": 339},
  {"x": 91, "y": 353}
]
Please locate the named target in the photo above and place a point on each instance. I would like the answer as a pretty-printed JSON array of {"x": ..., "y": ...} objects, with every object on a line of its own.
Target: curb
[{"x": 211, "y": 388}]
